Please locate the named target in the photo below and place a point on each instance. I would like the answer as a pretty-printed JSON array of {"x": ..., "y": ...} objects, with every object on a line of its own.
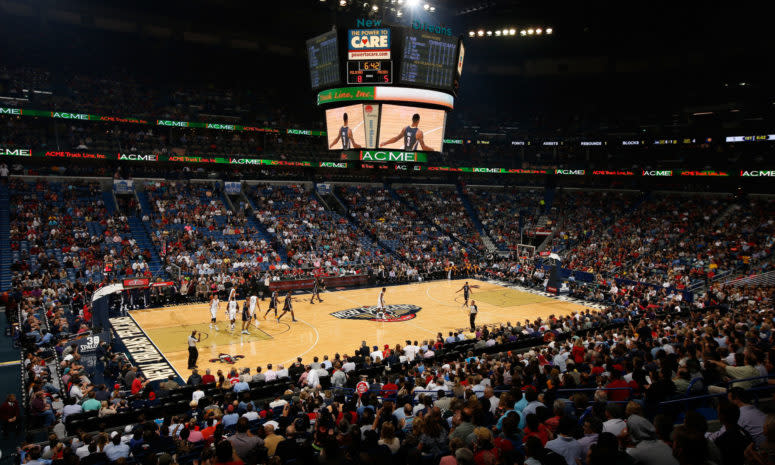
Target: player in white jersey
[
  {"x": 381, "y": 305},
  {"x": 231, "y": 310},
  {"x": 214, "y": 303},
  {"x": 253, "y": 307}
]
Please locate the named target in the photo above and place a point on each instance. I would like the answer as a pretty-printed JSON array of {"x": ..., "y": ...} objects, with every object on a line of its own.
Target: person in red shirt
[
  {"x": 208, "y": 378},
  {"x": 138, "y": 384},
  {"x": 578, "y": 352},
  {"x": 9, "y": 415},
  {"x": 389, "y": 389},
  {"x": 618, "y": 395}
]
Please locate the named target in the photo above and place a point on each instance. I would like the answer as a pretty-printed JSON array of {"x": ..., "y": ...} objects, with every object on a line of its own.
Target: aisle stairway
[
  {"x": 5, "y": 242},
  {"x": 141, "y": 232},
  {"x": 258, "y": 226},
  {"x": 485, "y": 238}
]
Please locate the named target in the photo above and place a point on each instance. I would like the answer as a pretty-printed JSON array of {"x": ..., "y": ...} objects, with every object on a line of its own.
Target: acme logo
[
  {"x": 138, "y": 157},
  {"x": 368, "y": 155},
  {"x": 748, "y": 174},
  {"x": 166, "y": 122}
]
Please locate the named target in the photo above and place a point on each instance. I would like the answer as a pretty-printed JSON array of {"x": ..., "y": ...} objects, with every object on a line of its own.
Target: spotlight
[
  {"x": 549, "y": 30},
  {"x": 342, "y": 2},
  {"x": 400, "y": 2},
  {"x": 426, "y": 7},
  {"x": 399, "y": 13},
  {"x": 433, "y": 8},
  {"x": 512, "y": 32},
  {"x": 523, "y": 32},
  {"x": 480, "y": 33},
  {"x": 539, "y": 31},
  {"x": 471, "y": 33},
  {"x": 498, "y": 33},
  {"x": 489, "y": 33},
  {"x": 530, "y": 32},
  {"x": 505, "y": 32},
  {"x": 412, "y": 3},
  {"x": 374, "y": 8}
]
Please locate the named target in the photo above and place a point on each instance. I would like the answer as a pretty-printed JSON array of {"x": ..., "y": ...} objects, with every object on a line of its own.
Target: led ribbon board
[{"x": 394, "y": 94}]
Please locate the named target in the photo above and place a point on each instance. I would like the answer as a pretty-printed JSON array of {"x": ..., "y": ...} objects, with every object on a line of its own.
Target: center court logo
[{"x": 392, "y": 313}]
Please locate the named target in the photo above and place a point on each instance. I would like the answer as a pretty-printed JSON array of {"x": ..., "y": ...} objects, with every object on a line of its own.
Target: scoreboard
[
  {"x": 370, "y": 72},
  {"x": 386, "y": 88},
  {"x": 429, "y": 60},
  {"x": 323, "y": 56}
]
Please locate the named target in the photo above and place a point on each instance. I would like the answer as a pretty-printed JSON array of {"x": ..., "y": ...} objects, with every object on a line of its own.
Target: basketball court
[{"x": 421, "y": 311}]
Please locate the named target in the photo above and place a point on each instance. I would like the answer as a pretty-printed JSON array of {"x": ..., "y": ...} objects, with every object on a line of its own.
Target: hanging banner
[
  {"x": 123, "y": 186},
  {"x": 232, "y": 188}
]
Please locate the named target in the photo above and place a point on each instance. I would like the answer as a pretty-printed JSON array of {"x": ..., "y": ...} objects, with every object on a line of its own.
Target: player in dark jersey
[
  {"x": 412, "y": 135},
  {"x": 288, "y": 307},
  {"x": 346, "y": 136},
  {"x": 316, "y": 290},
  {"x": 466, "y": 293},
  {"x": 245, "y": 317},
  {"x": 272, "y": 304}
]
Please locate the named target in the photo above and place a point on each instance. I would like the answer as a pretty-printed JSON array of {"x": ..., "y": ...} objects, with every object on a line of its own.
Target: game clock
[{"x": 370, "y": 72}]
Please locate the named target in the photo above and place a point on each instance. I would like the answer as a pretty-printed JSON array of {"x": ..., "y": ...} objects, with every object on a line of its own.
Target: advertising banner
[{"x": 368, "y": 44}]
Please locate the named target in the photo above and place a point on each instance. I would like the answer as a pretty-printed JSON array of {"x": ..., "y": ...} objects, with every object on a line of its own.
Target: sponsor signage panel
[{"x": 368, "y": 44}]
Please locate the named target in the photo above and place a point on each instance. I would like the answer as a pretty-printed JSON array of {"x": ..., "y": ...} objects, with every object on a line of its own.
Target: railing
[{"x": 762, "y": 279}]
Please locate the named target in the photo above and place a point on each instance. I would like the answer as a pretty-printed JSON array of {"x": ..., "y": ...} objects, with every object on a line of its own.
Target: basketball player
[
  {"x": 346, "y": 136},
  {"x": 214, "y": 303},
  {"x": 316, "y": 290},
  {"x": 466, "y": 293},
  {"x": 381, "y": 305},
  {"x": 288, "y": 307},
  {"x": 253, "y": 307},
  {"x": 245, "y": 317},
  {"x": 272, "y": 304},
  {"x": 472, "y": 311},
  {"x": 231, "y": 310},
  {"x": 412, "y": 135}
]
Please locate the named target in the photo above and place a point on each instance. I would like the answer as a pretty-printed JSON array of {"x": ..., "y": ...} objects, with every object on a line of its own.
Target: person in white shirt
[
  {"x": 253, "y": 307},
  {"x": 282, "y": 372},
  {"x": 376, "y": 355},
  {"x": 348, "y": 365},
  {"x": 270, "y": 375},
  {"x": 381, "y": 305}
]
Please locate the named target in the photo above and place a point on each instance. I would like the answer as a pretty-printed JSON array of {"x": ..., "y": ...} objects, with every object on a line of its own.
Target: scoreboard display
[
  {"x": 323, "y": 56},
  {"x": 370, "y": 72},
  {"x": 399, "y": 84},
  {"x": 429, "y": 60}
]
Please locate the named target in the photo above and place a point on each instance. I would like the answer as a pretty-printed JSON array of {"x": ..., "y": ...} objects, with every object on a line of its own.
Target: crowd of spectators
[
  {"x": 503, "y": 211},
  {"x": 399, "y": 227},
  {"x": 443, "y": 206},
  {"x": 314, "y": 237},
  {"x": 587, "y": 388}
]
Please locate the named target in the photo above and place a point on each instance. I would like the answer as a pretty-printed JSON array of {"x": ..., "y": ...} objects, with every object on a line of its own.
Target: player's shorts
[
  {"x": 245, "y": 316},
  {"x": 232, "y": 315}
]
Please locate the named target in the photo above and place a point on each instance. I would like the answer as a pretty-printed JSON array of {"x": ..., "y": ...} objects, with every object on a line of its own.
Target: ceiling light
[
  {"x": 549, "y": 30},
  {"x": 399, "y": 13},
  {"x": 374, "y": 8},
  {"x": 412, "y": 2},
  {"x": 523, "y": 32},
  {"x": 512, "y": 32},
  {"x": 489, "y": 33},
  {"x": 342, "y": 2},
  {"x": 505, "y": 32},
  {"x": 433, "y": 8},
  {"x": 426, "y": 7},
  {"x": 497, "y": 33},
  {"x": 480, "y": 33},
  {"x": 530, "y": 32},
  {"x": 471, "y": 33},
  {"x": 539, "y": 31}
]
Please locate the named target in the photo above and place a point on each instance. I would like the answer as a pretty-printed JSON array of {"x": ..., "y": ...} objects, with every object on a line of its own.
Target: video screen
[
  {"x": 345, "y": 127},
  {"x": 411, "y": 128}
]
